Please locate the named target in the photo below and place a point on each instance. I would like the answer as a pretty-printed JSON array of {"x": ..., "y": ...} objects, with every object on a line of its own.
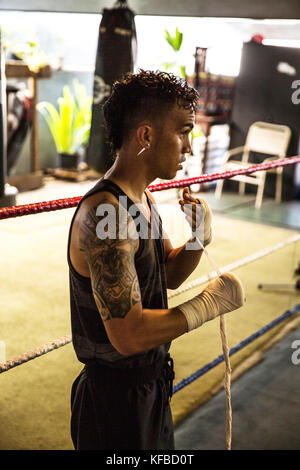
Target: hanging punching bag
[{"x": 116, "y": 54}]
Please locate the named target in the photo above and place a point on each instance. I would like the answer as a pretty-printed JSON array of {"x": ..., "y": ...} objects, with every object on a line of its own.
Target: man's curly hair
[{"x": 144, "y": 95}]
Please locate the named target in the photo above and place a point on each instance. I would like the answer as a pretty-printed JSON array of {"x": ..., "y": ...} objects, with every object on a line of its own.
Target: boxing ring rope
[
  {"x": 49, "y": 206},
  {"x": 39, "y": 351},
  {"x": 45, "y": 348},
  {"x": 236, "y": 264},
  {"x": 236, "y": 348},
  {"x": 27, "y": 209}
]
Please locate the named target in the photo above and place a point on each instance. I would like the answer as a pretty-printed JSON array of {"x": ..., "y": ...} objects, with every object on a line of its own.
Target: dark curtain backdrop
[{"x": 263, "y": 93}]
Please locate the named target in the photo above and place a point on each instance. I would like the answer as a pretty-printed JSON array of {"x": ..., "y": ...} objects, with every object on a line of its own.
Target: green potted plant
[
  {"x": 70, "y": 125},
  {"x": 175, "y": 43}
]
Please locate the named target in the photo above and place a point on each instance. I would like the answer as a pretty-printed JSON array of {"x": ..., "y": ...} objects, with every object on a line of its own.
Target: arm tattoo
[{"x": 111, "y": 262}]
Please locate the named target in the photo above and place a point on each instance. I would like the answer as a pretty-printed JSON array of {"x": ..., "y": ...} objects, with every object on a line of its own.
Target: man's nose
[{"x": 188, "y": 144}]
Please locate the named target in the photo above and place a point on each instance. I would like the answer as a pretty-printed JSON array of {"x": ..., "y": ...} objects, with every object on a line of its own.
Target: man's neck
[{"x": 131, "y": 177}]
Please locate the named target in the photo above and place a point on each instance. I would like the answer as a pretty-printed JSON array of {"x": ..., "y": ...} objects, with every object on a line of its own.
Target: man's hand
[
  {"x": 222, "y": 295},
  {"x": 198, "y": 215}
]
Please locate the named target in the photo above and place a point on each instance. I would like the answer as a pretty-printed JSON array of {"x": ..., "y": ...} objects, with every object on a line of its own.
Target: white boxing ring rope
[
  {"x": 235, "y": 265},
  {"x": 48, "y": 347}
]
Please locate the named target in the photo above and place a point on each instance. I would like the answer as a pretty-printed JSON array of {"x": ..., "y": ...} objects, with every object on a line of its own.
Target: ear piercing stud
[{"x": 143, "y": 149}]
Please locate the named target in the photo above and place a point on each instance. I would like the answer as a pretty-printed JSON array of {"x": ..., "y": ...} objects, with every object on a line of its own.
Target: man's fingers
[
  {"x": 189, "y": 200},
  {"x": 192, "y": 208},
  {"x": 187, "y": 195},
  {"x": 185, "y": 191}
]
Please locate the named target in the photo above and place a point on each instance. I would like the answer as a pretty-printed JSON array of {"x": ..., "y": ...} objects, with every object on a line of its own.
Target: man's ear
[{"x": 144, "y": 134}]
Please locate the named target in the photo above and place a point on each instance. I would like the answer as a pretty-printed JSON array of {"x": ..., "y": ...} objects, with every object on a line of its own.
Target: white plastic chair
[{"x": 262, "y": 137}]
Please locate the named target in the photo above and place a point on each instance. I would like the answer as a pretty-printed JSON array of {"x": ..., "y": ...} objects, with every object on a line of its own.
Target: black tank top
[{"x": 89, "y": 337}]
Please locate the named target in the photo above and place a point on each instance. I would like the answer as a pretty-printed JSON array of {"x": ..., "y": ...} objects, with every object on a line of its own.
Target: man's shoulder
[
  {"x": 89, "y": 207},
  {"x": 104, "y": 209},
  {"x": 100, "y": 197},
  {"x": 150, "y": 196}
]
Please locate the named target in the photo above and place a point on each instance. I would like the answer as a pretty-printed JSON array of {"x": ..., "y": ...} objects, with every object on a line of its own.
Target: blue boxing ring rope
[{"x": 235, "y": 349}]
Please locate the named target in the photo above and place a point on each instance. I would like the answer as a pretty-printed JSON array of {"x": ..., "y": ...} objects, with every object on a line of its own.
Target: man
[{"x": 121, "y": 264}]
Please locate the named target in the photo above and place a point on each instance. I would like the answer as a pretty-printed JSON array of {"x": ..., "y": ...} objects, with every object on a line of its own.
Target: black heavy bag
[{"x": 116, "y": 55}]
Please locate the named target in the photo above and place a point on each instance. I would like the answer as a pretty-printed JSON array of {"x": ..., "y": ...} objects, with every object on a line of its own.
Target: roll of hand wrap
[{"x": 222, "y": 295}]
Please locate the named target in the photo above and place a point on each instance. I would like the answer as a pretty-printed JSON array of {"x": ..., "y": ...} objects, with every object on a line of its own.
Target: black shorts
[{"x": 109, "y": 415}]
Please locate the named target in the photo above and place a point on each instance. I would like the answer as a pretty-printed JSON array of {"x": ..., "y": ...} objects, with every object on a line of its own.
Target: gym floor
[{"x": 265, "y": 407}]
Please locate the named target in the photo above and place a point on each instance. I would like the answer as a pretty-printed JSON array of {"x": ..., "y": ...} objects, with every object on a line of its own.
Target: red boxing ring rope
[
  {"x": 225, "y": 174},
  {"x": 35, "y": 208}
]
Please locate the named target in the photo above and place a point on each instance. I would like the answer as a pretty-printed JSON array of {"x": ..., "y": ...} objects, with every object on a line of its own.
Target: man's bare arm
[
  {"x": 130, "y": 328},
  {"x": 180, "y": 263},
  {"x": 114, "y": 280}
]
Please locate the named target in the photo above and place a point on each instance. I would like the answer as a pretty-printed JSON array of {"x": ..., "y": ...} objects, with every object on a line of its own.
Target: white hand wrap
[
  {"x": 220, "y": 296},
  {"x": 201, "y": 222}
]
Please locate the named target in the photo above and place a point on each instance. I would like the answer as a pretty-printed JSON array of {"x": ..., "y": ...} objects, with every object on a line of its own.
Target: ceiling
[{"x": 257, "y": 9}]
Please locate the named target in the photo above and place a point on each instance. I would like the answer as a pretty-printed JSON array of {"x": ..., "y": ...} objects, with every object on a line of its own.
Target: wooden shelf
[
  {"x": 26, "y": 182},
  {"x": 74, "y": 175},
  {"x": 18, "y": 69}
]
